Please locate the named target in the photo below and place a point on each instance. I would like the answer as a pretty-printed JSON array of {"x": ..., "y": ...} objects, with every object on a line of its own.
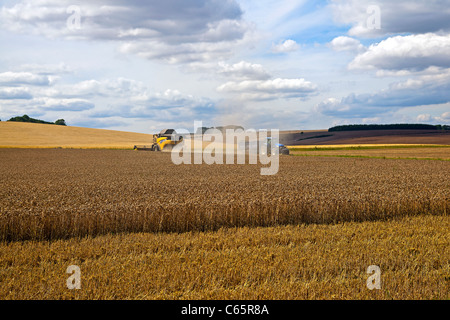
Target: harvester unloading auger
[{"x": 165, "y": 140}]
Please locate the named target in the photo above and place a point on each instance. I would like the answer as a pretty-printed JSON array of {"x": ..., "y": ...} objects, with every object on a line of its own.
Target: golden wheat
[
  {"x": 36, "y": 135},
  {"x": 309, "y": 232},
  {"x": 290, "y": 262},
  {"x": 58, "y": 194}
]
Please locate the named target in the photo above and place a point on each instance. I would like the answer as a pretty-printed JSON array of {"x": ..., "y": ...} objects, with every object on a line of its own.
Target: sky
[{"x": 143, "y": 66}]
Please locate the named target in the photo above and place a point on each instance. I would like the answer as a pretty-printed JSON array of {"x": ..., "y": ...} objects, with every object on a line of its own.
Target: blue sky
[{"x": 146, "y": 65}]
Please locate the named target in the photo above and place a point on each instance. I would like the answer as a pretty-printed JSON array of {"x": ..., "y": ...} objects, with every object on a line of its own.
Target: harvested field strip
[
  {"x": 48, "y": 194},
  {"x": 289, "y": 262}
]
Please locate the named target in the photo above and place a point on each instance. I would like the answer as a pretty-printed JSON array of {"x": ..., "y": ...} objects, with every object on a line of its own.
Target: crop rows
[
  {"x": 286, "y": 262},
  {"x": 57, "y": 194}
]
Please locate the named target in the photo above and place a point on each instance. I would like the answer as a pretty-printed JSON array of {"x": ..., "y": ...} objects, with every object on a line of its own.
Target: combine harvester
[
  {"x": 168, "y": 138},
  {"x": 165, "y": 140}
]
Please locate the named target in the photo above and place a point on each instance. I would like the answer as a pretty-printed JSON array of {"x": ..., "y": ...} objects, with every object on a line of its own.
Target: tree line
[{"x": 26, "y": 118}]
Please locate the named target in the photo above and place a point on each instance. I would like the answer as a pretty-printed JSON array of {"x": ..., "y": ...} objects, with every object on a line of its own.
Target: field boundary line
[{"x": 367, "y": 157}]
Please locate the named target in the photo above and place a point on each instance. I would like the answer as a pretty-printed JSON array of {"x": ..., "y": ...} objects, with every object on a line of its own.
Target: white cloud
[
  {"x": 423, "y": 91},
  {"x": 218, "y": 42},
  {"x": 253, "y": 82},
  {"x": 46, "y": 69},
  {"x": 243, "y": 70},
  {"x": 175, "y": 31},
  {"x": 396, "y": 17},
  {"x": 445, "y": 117},
  {"x": 286, "y": 46},
  {"x": 15, "y": 93},
  {"x": 180, "y": 53},
  {"x": 51, "y": 104},
  {"x": 406, "y": 53},
  {"x": 127, "y": 98},
  {"x": 107, "y": 88},
  {"x": 270, "y": 89},
  {"x": 344, "y": 43},
  {"x": 177, "y": 19},
  {"x": 23, "y": 78},
  {"x": 424, "y": 118},
  {"x": 422, "y": 59},
  {"x": 107, "y": 98},
  {"x": 170, "y": 98},
  {"x": 371, "y": 120}
]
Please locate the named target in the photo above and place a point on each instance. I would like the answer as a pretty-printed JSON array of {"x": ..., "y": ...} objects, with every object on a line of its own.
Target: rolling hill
[
  {"x": 36, "y": 135},
  {"x": 323, "y": 137}
]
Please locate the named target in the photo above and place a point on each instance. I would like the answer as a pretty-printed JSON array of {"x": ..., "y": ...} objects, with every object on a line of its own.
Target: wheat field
[
  {"x": 61, "y": 193},
  {"x": 140, "y": 227},
  {"x": 327, "y": 261}
]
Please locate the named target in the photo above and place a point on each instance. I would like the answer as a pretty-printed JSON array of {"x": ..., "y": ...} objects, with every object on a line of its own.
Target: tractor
[{"x": 267, "y": 148}]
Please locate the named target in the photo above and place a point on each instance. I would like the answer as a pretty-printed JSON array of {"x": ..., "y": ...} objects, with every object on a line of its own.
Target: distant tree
[
  {"x": 401, "y": 126},
  {"x": 60, "y": 122},
  {"x": 26, "y": 118}
]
